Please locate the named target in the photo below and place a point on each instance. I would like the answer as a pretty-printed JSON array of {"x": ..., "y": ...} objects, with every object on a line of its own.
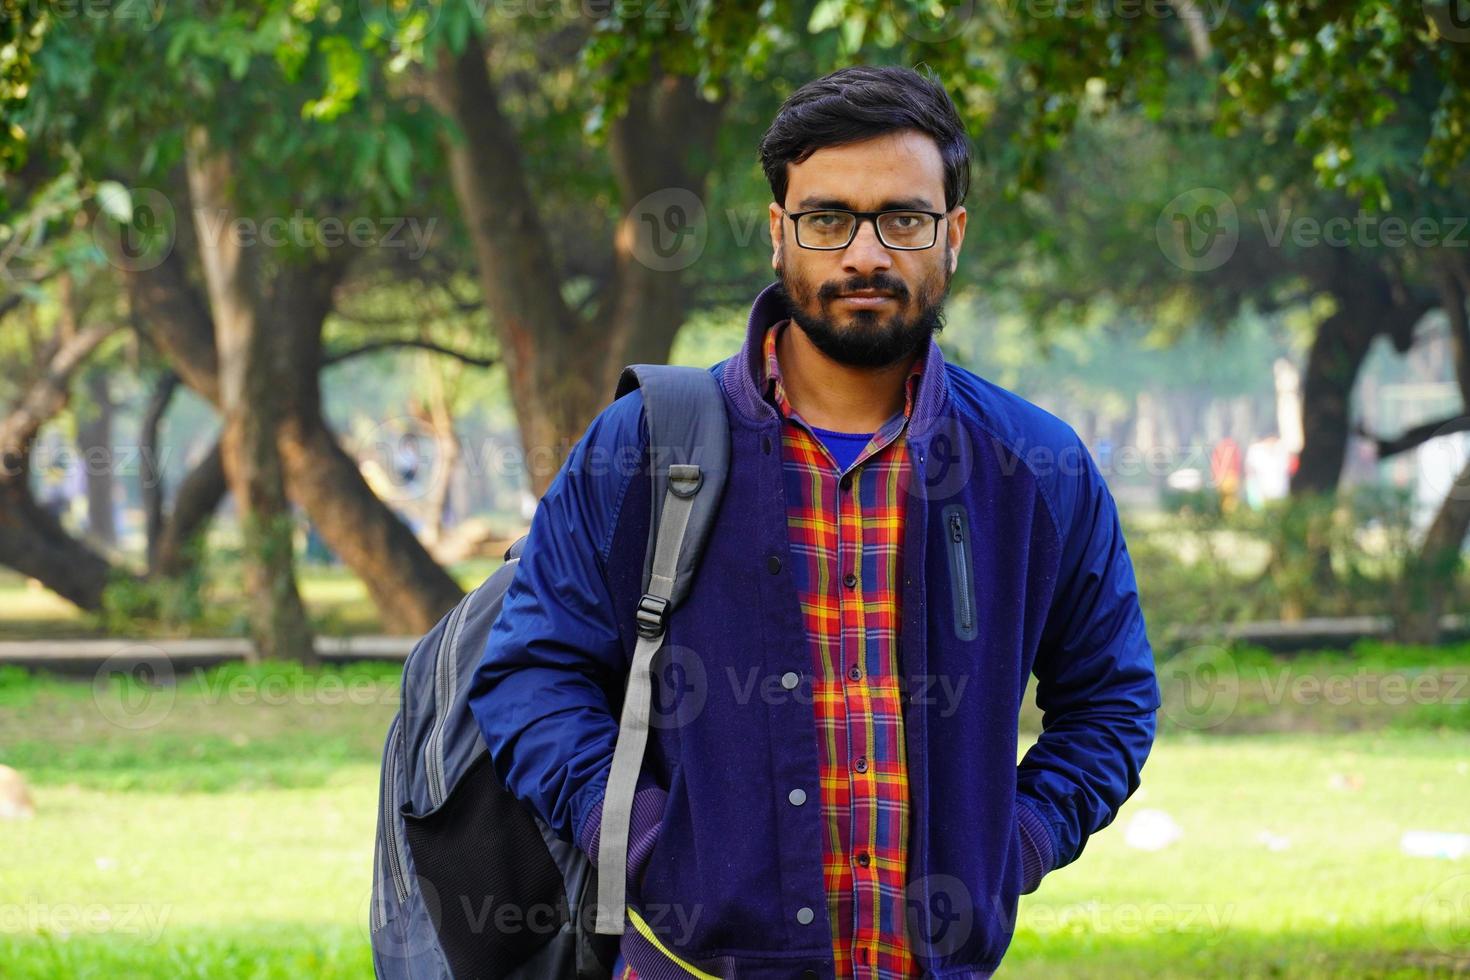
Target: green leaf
[
  {"x": 115, "y": 201},
  {"x": 397, "y": 159},
  {"x": 826, "y": 14}
]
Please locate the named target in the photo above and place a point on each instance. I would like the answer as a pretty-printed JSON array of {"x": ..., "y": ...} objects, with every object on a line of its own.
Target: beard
[{"x": 868, "y": 338}]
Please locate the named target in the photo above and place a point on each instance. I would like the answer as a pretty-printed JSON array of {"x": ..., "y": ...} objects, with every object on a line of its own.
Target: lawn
[
  {"x": 231, "y": 835},
  {"x": 335, "y": 598}
]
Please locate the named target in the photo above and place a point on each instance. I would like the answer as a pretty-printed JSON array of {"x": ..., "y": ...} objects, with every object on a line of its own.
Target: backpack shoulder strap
[
  {"x": 684, "y": 411},
  {"x": 689, "y": 455}
]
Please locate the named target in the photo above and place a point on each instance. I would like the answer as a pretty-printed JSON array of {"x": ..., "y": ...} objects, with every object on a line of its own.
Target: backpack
[{"x": 469, "y": 881}]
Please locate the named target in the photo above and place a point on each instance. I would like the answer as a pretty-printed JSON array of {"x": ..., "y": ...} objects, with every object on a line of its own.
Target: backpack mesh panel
[{"x": 497, "y": 895}]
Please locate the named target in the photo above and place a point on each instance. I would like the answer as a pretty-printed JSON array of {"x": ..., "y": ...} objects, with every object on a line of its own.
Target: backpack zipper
[
  {"x": 446, "y": 679},
  {"x": 960, "y": 567},
  {"x": 445, "y": 675},
  {"x": 388, "y": 814}
]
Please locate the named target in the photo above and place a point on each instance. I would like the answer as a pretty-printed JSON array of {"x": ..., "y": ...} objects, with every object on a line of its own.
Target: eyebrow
[{"x": 914, "y": 203}]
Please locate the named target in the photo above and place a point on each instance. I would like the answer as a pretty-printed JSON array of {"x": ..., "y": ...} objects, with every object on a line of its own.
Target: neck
[{"x": 836, "y": 396}]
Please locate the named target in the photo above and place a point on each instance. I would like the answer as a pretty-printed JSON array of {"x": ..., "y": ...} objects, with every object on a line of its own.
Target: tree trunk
[
  {"x": 198, "y": 497},
  {"x": 1431, "y": 574},
  {"x": 1336, "y": 356},
  {"x": 439, "y": 417},
  {"x": 408, "y": 587},
  {"x": 362, "y": 532},
  {"x": 1367, "y": 305},
  {"x": 34, "y": 544},
  {"x": 32, "y": 541},
  {"x": 561, "y": 368},
  {"x": 150, "y": 465},
  {"x": 251, "y": 409},
  {"x": 94, "y": 438},
  {"x": 553, "y": 366},
  {"x": 171, "y": 537},
  {"x": 1430, "y": 577}
]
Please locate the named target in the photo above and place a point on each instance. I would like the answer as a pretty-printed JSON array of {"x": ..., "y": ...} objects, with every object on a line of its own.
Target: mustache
[{"x": 830, "y": 290}]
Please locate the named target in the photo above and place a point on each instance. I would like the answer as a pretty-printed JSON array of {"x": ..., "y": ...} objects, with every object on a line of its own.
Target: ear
[
  {"x": 956, "y": 235},
  {"x": 778, "y": 234}
]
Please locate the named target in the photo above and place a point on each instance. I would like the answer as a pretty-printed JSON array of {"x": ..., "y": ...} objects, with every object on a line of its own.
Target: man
[{"x": 835, "y": 792}]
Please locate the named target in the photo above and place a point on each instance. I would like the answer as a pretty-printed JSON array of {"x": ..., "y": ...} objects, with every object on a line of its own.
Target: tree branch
[
  {"x": 374, "y": 346},
  {"x": 1388, "y": 446},
  {"x": 47, "y": 395}
]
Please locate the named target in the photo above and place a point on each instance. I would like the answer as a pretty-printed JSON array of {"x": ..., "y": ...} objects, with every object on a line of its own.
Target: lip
[{"x": 861, "y": 299}]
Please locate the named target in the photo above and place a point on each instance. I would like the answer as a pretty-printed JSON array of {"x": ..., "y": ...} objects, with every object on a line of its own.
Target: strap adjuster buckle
[{"x": 652, "y": 610}]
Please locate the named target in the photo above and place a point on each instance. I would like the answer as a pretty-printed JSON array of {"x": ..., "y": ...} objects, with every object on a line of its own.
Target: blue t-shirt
[{"x": 844, "y": 446}]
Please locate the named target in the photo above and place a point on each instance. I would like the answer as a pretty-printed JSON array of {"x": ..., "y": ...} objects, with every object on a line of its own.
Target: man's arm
[
  {"x": 539, "y": 693},
  {"x": 1097, "y": 687}
]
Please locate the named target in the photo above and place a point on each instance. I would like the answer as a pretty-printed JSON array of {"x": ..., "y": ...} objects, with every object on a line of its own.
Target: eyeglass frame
[{"x": 860, "y": 217}]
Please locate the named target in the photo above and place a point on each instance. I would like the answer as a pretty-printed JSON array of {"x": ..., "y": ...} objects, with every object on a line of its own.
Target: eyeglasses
[{"x": 829, "y": 229}]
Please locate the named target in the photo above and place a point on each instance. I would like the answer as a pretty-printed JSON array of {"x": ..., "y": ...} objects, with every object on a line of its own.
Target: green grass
[
  {"x": 231, "y": 835},
  {"x": 1373, "y": 686},
  {"x": 335, "y": 598},
  {"x": 1339, "y": 900},
  {"x": 231, "y": 727}
]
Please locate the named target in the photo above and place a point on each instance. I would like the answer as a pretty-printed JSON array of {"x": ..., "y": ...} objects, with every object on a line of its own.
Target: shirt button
[
  {"x": 864, "y": 858},
  {"x": 849, "y": 580},
  {"x": 805, "y": 915},
  {"x": 797, "y": 797},
  {"x": 790, "y": 679},
  {"x": 774, "y": 564},
  {"x": 855, "y": 673},
  {"x": 846, "y": 481},
  {"x": 861, "y": 765}
]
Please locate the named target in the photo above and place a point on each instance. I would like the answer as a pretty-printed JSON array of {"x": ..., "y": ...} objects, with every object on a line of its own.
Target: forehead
[{"x": 902, "y": 166}]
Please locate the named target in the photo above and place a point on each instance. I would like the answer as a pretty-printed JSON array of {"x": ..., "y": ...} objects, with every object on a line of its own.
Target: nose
[{"x": 865, "y": 254}]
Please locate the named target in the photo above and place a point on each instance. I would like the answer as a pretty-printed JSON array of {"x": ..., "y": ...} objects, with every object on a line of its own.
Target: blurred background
[{"x": 303, "y": 303}]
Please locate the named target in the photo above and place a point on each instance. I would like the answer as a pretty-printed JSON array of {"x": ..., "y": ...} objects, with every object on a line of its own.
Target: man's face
[{"x": 902, "y": 169}]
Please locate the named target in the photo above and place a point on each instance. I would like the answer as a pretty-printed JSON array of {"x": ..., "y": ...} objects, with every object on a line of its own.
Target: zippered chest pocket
[{"x": 961, "y": 569}]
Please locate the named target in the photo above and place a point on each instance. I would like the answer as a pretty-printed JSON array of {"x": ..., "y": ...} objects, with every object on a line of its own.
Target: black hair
[{"x": 858, "y": 103}]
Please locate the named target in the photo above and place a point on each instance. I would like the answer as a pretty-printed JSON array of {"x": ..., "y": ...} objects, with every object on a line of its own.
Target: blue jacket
[{"x": 1014, "y": 562}]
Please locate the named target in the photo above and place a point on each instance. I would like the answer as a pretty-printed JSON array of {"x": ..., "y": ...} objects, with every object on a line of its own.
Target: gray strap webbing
[{"x": 622, "y": 781}]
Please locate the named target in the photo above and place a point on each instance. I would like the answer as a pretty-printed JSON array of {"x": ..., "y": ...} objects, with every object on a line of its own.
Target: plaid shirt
[{"x": 846, "y": 543}]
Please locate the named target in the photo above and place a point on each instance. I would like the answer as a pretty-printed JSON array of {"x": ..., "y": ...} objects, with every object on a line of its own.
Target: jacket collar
[{"x": 744, "y": 375}]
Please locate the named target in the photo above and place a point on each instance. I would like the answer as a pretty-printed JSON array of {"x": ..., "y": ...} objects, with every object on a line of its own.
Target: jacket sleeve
[
  {"x": 1097, "y": 687},
  {"x": 539, "y": 694}
]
